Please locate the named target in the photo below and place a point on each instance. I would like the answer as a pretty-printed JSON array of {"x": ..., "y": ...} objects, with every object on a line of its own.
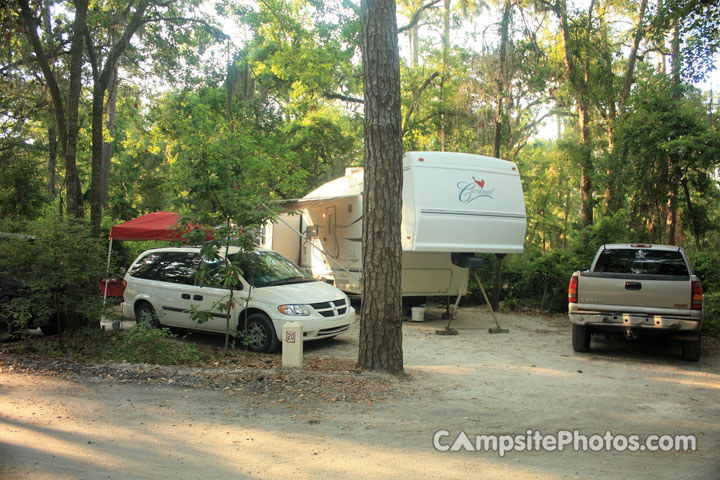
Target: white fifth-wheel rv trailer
[{"x": 453, "y": 203}]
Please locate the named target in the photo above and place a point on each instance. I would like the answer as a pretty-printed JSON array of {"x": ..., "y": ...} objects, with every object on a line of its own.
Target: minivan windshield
[{"x": 265, "y": 269}]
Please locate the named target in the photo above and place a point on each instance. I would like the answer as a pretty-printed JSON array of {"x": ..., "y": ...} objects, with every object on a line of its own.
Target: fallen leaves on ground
[{"x": 329, "y": 380}]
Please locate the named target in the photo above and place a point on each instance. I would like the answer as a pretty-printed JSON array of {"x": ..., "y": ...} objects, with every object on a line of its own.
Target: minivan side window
[
  {"x": 173, "y": 267},
  {"x": 214, "y": 276},
  {"x": 179, "y": 267},
  {"x": 147, "y": 267}
]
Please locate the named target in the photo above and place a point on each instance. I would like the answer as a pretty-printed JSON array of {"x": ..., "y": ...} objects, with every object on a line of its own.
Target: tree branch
[
  {"x": 344, "y": 98},
  {"x": 183, "y": 20},
  {"x": 416, "y": 99},
  {"x": 416, "y": 16}
]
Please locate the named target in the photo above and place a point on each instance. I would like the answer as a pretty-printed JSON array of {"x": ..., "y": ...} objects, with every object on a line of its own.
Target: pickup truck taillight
[
  {"x": 697, "y": 295},
  {"x": 572, "y": 290}
]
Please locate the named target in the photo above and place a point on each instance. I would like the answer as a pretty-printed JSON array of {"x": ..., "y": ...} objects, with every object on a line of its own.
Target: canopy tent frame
[{"x": 151, "y": 226}]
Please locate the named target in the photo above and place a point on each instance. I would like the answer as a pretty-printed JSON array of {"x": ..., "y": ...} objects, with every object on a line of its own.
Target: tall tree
[
  {"x": 103, "y": 74},
  {"x": 66, "y": 106},
  {"x": 576, "y": 71},
  {"x": 381, "y": 322}
]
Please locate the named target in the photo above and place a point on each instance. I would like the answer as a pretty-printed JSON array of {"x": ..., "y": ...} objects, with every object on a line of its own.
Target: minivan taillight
[
  {"x": 697, "y": 295},
  {"x": 572, "y": 290}
]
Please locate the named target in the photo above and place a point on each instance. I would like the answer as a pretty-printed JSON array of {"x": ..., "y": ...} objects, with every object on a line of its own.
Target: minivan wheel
[
  {"x": 145, "y": 315},
  {"x": 259, "y": 334}
]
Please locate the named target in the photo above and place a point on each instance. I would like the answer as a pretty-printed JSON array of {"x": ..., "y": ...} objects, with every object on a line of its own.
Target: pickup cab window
[{"x": 641, "y": 261}]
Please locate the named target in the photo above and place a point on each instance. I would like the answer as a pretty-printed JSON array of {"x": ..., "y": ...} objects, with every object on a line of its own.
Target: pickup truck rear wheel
[
  {"x": 691, "y": 349},
  {"x": 581, "y": 338}
]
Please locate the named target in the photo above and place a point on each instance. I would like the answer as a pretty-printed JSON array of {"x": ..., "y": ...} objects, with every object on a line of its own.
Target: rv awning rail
[{"x": 302, "y": 203}]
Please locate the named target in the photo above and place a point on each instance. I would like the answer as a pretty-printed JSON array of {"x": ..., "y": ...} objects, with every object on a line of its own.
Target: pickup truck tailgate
[{"x": 633, "y": 292}]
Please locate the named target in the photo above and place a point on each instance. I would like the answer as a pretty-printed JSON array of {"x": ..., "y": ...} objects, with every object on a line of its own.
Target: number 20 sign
[{"x": 289, "y": 337}]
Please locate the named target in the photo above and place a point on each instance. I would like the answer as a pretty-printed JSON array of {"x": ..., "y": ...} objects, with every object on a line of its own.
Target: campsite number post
[{"x": 292, "y": 345}]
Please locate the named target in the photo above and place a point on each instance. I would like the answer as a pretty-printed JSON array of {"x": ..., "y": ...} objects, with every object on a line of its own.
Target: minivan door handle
[
  {"x": 197, "y": 297},
  {"x": 185, "y": 296},
  {"x": 633, "y": 286}
]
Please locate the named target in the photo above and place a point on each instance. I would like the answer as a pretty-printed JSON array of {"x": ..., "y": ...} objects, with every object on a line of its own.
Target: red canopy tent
[{"x": 151, "y": 226}]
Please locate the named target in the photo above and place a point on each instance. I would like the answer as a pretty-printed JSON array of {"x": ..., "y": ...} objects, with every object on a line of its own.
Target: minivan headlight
[{"x": 294, "y": 310}]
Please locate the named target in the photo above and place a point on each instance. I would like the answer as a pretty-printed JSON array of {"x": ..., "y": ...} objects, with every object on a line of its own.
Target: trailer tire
[{"x": 581, "y": 338}]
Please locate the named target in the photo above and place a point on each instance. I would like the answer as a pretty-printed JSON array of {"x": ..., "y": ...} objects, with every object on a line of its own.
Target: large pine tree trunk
[{"x": 381, "y": 324}]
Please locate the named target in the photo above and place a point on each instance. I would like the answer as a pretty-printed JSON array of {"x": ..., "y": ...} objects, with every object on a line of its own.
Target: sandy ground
[{"x": 475, "y": 382}]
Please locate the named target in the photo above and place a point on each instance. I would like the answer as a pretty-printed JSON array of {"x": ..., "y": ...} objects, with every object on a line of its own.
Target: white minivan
[{"x": 161, "y": 288}]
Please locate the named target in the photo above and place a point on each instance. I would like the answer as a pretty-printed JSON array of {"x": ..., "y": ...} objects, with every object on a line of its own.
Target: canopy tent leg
[{"x": 107, "y": 272}]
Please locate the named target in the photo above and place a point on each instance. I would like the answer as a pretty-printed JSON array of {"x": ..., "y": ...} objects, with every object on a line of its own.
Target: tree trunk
[
  {"x": 52, "y": 161},
  {"x": 66, "y": 115},
  {"x": 586, "y": 164},
  {"x": 577, "y": 77},
  {"x": 98, "y": 103},
  {"x": 381, "y": 323},
  {"x": 414, "y": 46},
  {"x": 107, "y": 153},
  {"x": 672, "y": 190},
  {"x": 443, "y": 75},
  {"x": 72, "y": 178},
  {"x": 101, "y": 80},
  {"x": 502, "y": 57}
]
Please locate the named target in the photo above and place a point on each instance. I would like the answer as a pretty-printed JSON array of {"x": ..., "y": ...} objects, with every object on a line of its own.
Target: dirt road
[{"x": 69, "y": 427}]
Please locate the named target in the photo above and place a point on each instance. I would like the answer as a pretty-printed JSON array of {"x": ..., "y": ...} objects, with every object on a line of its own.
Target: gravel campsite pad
[{"x": 68, "y": 420}]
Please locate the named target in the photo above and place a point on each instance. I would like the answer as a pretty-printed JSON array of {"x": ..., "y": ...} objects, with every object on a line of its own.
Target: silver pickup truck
[{"x": 633, "y": 289}]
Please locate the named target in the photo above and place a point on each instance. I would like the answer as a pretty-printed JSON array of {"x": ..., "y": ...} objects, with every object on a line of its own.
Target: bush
[
  {"x": 707, "y": 263},
  {"x": 141, "y": 344},
  {"x": 146, "y": 344},
  {"x": 57, "y": 272},
  {"x": 711, "y": 325},
  {"x": 540, "y": 280}
]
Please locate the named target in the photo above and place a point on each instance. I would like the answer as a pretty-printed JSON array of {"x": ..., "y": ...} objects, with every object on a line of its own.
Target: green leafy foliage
[
  {"x": 55, "y": 271},
  {"x": 141, "y": 344},
  {"x": 711, "y": 320}
]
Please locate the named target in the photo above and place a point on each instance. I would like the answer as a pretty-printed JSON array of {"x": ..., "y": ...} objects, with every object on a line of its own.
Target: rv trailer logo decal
[{"x": 469, "y": 191}]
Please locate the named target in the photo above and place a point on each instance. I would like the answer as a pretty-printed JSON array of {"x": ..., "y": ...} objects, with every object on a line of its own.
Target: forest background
[{"x": 112, "y": 109}]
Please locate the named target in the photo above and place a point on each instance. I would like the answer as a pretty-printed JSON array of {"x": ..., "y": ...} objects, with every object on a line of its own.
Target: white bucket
[{"x": 418, "y": 314}]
